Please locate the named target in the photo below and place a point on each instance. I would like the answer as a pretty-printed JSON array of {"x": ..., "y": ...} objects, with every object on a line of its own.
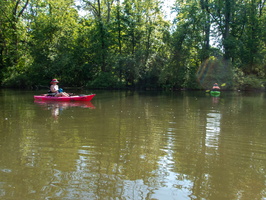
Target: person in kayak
[
  {"x": 54, "y": 88},
  {"x": 215, "y": 87}
]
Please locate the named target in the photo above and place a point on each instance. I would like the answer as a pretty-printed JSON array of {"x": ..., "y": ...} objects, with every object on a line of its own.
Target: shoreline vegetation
[
  {"x": 130, "y": 45},
  {"x": 245, "y": 87}
]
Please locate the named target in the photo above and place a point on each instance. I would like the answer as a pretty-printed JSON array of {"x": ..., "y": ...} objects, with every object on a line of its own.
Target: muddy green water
[{"x": 133, "y": 146}]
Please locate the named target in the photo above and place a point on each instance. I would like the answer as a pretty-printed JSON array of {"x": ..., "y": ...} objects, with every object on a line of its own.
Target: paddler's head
[{"x": 54, "y": 81}]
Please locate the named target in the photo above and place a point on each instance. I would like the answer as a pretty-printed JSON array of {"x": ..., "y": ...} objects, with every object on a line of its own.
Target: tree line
[{"x": 130, "y": 44}]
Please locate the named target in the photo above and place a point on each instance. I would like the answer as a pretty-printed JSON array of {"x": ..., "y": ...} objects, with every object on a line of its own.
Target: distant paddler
[
  {"x": 215, "y": 90},
  {"x": 215, "y": 87}
]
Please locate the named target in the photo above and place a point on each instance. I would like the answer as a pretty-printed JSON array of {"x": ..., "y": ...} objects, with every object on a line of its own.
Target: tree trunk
[
  {"x": 226, "y": 33},
  {"x": 207, "y": 28},
  {"x": 100, "y": 23}
]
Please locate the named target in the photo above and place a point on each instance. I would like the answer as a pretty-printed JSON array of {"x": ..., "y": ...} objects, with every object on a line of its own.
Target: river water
[{"x": 133, "y": 146}]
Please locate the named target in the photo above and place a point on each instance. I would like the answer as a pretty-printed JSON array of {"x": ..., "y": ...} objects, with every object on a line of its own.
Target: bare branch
[{"x": 23, "y": 8}]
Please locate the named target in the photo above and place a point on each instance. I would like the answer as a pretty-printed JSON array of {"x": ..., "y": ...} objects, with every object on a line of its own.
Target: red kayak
[{"x": 46, "y": 97}]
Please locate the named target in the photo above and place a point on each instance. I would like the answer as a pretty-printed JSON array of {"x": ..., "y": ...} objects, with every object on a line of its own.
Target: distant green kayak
[{"x": 215, "y": 93}]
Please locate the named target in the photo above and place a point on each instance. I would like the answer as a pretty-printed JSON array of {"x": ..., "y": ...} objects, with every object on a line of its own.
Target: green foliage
[
  {"x": 215, "y": 70},
  {"x": 105, "y": 80},
  {"x": 119, "y": 44},
  {"x": 16, "y": 80},
  {"x": 249, "y": 82}
]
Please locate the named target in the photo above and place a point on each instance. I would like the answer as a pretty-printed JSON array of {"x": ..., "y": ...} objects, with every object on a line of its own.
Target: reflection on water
[
  {"x": 57, "y": 107},
  {"x": 213, "y": 129},
  {"x": 133, "y": 146}
]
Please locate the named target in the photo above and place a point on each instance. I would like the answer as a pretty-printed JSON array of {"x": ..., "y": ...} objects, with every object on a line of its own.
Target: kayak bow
[{"x": 215, "y": 93}]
